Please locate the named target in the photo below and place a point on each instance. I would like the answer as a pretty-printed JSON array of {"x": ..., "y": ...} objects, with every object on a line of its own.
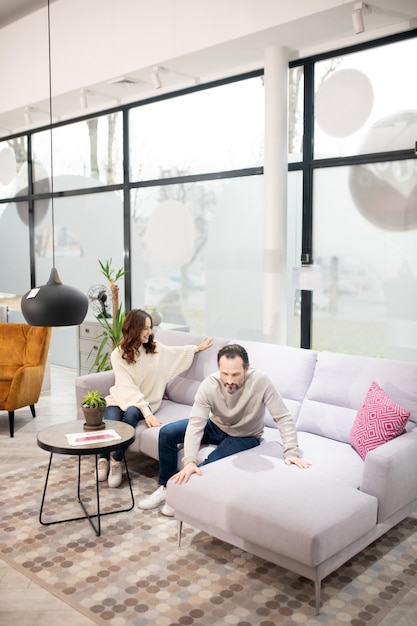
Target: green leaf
[{"x": 93, "y": 399}]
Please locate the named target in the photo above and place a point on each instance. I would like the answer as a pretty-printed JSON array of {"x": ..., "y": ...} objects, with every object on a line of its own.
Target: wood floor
[{"x": 22, "y": 603}]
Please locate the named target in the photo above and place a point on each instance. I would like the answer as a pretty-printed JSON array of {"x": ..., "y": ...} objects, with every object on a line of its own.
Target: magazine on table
[{"x": 85, "y": 438}]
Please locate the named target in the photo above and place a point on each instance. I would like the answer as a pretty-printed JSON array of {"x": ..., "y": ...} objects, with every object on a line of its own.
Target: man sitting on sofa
[{"x": 228, "y": 412}]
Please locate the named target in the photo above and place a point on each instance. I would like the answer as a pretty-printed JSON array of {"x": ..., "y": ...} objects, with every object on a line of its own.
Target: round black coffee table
[{"x": 54, "y": 439}]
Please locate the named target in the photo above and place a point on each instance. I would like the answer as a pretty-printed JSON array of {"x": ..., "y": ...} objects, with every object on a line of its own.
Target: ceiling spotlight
[
  {"x": 357, "y": 17},
  {"x": 156, "y": 80},
  {"x": 27, "y": 115},
  {"x": 83, "y": 98},
  {"x": 125, "y": 81}
]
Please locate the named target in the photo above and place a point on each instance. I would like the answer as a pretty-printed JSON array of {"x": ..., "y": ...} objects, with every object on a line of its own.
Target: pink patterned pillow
[{"x": 379, "y": 420}]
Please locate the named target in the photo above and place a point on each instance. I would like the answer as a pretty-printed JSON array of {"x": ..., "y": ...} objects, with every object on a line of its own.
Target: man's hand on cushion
[
  {"x": 183, "y": 475},
  {"x": 294, "y": 460}
]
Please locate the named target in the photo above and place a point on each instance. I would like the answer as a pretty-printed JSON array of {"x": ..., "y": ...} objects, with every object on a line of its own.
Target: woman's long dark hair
[{"x": 135, "y": 322}]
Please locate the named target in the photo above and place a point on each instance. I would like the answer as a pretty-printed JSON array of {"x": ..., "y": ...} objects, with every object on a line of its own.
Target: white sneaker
[
  {"x": 155, "y": 499},
  {"x": 115, "y": 474},
  {"x": 167, "y": 510},
  {"x": 102, "y": 469}
]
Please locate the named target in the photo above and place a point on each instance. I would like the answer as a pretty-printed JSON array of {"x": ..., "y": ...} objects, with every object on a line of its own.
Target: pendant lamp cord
[{"x": 50, "y": 133}]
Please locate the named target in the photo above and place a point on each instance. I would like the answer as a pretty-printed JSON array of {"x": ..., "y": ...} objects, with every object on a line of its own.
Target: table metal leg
[
  {"x": 89, "y": 516},
  {"x": 97, "y": 529}
]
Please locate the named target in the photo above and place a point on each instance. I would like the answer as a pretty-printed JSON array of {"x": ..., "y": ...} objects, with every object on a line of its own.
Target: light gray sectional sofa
[{"x": 307, "y": 521}]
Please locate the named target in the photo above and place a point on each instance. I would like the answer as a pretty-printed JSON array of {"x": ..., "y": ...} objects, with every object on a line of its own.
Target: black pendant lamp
[{"x": 53, "y": 304}]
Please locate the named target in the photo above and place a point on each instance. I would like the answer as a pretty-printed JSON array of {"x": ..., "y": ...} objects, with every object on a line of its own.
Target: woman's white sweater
[{"x": 142, "y": 384}]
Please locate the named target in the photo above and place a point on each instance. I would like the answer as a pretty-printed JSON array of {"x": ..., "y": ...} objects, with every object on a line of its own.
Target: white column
[{"x": 275, "y": 202}]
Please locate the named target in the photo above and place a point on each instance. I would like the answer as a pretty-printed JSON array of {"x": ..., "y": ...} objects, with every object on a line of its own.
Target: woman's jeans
[
  {"x": 173, "y": 434},
  {"x": 131, "y": 416}
]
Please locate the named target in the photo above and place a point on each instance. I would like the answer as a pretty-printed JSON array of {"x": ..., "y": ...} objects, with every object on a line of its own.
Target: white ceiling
[{"x": 322, "y": 31}]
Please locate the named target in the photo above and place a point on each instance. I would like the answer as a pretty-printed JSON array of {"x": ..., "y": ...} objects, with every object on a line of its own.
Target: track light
[
  {"x": 83, "y": 98},
  {"x": 156, "y": 80},
  {"x": 359, "y": 8}
]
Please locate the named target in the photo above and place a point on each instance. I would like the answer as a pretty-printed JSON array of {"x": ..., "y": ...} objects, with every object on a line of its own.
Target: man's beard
[{"x": 232, "y": 388}]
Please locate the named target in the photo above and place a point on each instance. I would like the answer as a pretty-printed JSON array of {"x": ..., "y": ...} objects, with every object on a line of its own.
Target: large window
[
  {"x": 206, "y": 131},
  {"x": 193, "y": 244},
  {"x": 360, "y": 202},
  {"x": 182, "y": 214},
  {"x": 13, "y": 168},
  {"x": 365, "y": 101},
  {"x": 88, "y": 150},
  {"x": 196, "y": 246}
]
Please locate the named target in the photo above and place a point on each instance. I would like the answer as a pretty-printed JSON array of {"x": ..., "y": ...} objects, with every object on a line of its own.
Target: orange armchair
[{"x": 23, "y": 355}]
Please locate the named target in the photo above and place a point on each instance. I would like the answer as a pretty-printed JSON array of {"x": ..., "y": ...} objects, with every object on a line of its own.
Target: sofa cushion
[
  {"x": 379, "y": 420},
  {"x": 183, "y": 388},
  {"x": 333, "y": 457},
  {"x": 339, "y": 386},
  {"x": 147, "y": 438}
]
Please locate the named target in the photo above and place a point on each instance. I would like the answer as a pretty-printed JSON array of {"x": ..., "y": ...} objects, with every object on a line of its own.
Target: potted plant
[
  {"x": 156, "y": 315},
  {"x": 93, "y": 404},
  {"x": 112, "y": 327}
]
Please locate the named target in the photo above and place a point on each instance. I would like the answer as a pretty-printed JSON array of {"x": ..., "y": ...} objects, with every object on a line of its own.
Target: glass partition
[
  {"x": 365, "y": 222},
  {"x": 90, "y": 148},
  {"x": 211, "y": 130},
  {"x": 295, "y": 113},
  {"x": 82, "y": 227},
  {"x": 366, "y": 101},
  {"x": 294, "y": 230},
  {"x": 14, "y": 250},
  {"x": 197, "y": 254},
  {"x": 13, "y": 168},
  {"x": 86, "y": 228}
]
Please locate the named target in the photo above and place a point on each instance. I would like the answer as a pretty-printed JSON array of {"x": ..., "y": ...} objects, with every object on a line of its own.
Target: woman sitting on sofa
[{"x": 142, "y": 369}]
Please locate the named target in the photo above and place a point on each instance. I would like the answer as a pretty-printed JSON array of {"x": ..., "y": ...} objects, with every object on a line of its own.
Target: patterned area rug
[{"x": 134, "y": 574}]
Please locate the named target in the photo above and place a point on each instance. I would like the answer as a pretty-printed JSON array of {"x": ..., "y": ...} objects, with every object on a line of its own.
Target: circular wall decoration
[
  {"x": 343, "y": 103},
  {"x": 385, "y": 193}
]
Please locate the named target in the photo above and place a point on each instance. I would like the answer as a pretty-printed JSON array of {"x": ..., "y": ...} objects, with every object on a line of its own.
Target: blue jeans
[
  {"x": 131, "y": 416},
  {"x": 173, "y": 434}
]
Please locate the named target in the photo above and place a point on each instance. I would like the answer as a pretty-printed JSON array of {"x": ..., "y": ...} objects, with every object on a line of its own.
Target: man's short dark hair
[{"x": 231, "y": 351}]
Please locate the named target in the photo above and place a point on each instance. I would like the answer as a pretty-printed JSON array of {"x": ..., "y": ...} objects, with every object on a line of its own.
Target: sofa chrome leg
[
  {"x": 179, "y": 530},
  {"x": 317, "y": 594}
]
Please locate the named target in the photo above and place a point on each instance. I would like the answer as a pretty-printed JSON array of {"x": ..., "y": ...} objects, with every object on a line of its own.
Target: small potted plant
[
  {"x": 156, "y": 315},
  {"x": 93, "y": 404}
]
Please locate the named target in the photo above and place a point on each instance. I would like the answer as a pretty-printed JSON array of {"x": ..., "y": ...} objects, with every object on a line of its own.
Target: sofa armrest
[
  {"x": 98, "y": 381},
  {"x": 390, "y": 474}
]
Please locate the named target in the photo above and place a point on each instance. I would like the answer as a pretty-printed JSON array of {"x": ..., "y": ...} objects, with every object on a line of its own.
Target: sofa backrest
[
  {"x": 183, "y": 388},
  {"x": 290, "y": 369},
  {"x": 339, "y": 387}
]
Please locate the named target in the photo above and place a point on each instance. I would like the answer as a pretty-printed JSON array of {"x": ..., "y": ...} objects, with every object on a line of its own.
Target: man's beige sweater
[{"x": 240, "y": 414}]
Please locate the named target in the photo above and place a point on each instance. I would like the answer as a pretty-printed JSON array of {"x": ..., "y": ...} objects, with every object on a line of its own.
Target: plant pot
[
  {"x": 156, "y": 318},
  {"x": 94, "y": 418}
]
